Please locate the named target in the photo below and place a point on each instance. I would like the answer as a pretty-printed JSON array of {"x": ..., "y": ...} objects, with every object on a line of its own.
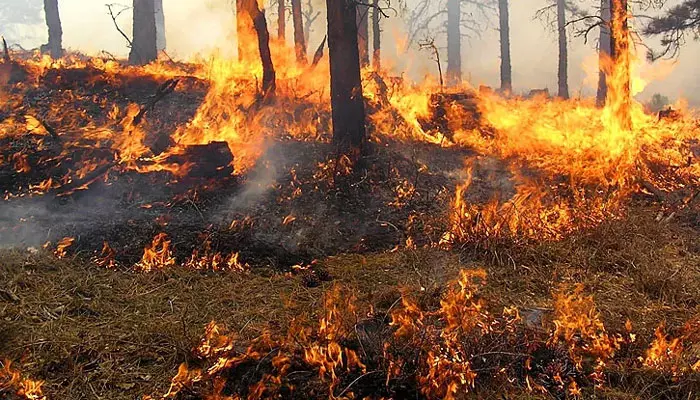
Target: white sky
[{"x": 199, "y": 27}]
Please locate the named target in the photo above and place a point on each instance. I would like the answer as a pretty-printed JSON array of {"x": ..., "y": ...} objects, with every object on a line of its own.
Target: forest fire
[{"x": 256, "y": 174}]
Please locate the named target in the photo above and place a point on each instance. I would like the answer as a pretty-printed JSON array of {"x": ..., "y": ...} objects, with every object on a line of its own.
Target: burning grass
[{"x": 84, "y": 329}]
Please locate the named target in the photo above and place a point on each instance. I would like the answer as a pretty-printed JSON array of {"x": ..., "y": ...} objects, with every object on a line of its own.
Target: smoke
[{"x": 200, "y": 27}]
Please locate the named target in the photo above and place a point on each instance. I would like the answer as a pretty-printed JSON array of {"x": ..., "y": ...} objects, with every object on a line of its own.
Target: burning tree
[
  {"x": 347, "y": 103},
  {"x": 299, "y": 36},
  {"x": 53, "y": 22},
  {"x": 144, "y": 47},
  {"x": 249, "y": 18}
]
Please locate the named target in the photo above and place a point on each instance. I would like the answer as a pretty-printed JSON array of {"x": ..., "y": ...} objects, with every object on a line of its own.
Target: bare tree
[
  {"x": 621, "y": 57},
  {"x": 376, "y": 36},
  {"x": 144, "y": 48},
  {"x": 556, "y": 13},
  {"x": 310, "y": 15},
  {"x": 454, "y": 42},
  {"x": 53, "y": 22},
  {"x": 504, "y": 29},
  {"x": 347, "y": 103},
  {"x": 456, "y": 19},
  {"x": 299, "y": 37}
]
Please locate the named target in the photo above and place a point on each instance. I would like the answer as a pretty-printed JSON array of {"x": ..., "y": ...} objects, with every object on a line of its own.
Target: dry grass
[{"x": 94, "y": 333}]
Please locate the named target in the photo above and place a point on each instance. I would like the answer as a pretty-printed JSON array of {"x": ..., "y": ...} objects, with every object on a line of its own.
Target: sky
[{"x": 200, "y": 27}]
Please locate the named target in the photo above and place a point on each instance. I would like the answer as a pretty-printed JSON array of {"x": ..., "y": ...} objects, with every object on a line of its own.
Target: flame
[
  {"x": 157, "y": 255},
  {"x": 62, "y": 247},
  {"x": 12, "y": 381}
]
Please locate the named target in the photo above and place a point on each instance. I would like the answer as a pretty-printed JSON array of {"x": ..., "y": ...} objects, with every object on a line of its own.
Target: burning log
[
  {"x": 443, "y": 107},
  {"x": 213, "y": 160}
]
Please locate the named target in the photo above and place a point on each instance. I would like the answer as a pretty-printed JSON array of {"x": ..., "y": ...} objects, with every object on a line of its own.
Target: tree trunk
[
  {"x": 363, "y": 33},
  {"x": 281, "y": 20},
  {"x": 53, "y": 22},
  {"x": 376, "y": 36},
  {"x": 454, "y": 42},
  {"x": 348, "y": 109},
  {"x": 144, "y": 49},
  {"x": 506, "y": 69},
  {"x": 620, "y": 98},
  {"x": 563, "y": 51},
  {"x": 160, "y": 25},
  {"x": 250, "y": 11},
  {"x": 299, "y": 38},
  {"x": 604, "y": 53}
]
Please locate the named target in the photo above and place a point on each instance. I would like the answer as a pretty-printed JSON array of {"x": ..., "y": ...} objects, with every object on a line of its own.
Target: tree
[
  {"x": 563, "y": 70},
  {"x": 299, "y": 38},
  {"x": 160, "y": 25},
  {"x": 376, "y": 36},
  {"x": 53, "y": 22},
  {"x": 347, "y": 103},
  {"x": 673, "y": 26},
  {"x": 456, "y": 19},
  {"x": 144, "y": 47},
  {"x": 363, "y": 33},
  {"x": 620, "y": 84},
  {"x": 504, "y": 29},
  {"x": 251, "y": 18},
  {"x": 454, "y": 42},
  {"x": 604, "y": 53},
  {"x": 556, "y": 13},
  {"x": 310, "y": 15},
  {"x": 281, "y": 20}
]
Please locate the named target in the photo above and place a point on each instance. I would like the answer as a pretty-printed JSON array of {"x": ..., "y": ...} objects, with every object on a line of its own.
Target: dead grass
[{"x": 94, "y": 333}]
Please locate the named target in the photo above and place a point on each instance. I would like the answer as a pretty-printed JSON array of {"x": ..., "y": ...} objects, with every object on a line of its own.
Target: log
[
  {"x": 213, "y": 160},
  {"x": 444, "y": 104}
]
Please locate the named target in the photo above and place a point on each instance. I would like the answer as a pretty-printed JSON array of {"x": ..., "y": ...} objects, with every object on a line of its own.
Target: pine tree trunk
[
  {"x": 348, "y": 110},
  {"x": 249, "y": 10},
  {"x": 619, "y": 88},
  {"x": 53, "y": 22},
  {"x": 160, "y": 25},
  {"x": 363, "y": 33},
  {"x": 563, "y": 51},
  {"x": 604, "y": 53},
  {"x": 454, "y": 42},
  {"x": 281, "y": 20},
  {"x": 144, "y": 49},
  {"x": 506, "y": 69},
  {"x": 376, "y": 36},
  {"x": 299, "y": 38}
]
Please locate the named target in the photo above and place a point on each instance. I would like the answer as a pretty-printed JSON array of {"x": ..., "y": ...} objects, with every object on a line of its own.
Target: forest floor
[{"x": 92, "y": 333}]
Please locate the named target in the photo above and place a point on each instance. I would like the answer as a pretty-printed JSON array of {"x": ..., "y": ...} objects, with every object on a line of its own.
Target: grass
[{"x": 94, "y": 333}]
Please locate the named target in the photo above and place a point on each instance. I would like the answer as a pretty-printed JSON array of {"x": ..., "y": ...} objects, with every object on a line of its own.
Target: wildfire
[{"x": 157, "y": 255}]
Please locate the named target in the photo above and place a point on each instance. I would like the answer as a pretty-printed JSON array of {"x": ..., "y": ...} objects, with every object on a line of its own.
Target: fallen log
[
  {"x": 213, "y": 160},
  {"x": 446, "y": 107}
]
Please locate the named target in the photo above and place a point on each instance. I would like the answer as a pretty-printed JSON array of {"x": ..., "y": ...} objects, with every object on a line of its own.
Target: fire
[
  {"x": 62, "y": 247},
  {"x": 157, "y": 255},
  {"x": 11, "y": 381}
]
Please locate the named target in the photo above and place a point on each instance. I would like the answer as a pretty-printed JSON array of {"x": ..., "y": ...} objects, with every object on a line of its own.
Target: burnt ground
[
  {"x": 95, "y": 333},
  {"x": 293, "y": 178}
]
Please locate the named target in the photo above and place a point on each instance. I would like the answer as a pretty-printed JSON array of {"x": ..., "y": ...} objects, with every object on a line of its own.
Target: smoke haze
[{"x": 201, "y": 27}]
